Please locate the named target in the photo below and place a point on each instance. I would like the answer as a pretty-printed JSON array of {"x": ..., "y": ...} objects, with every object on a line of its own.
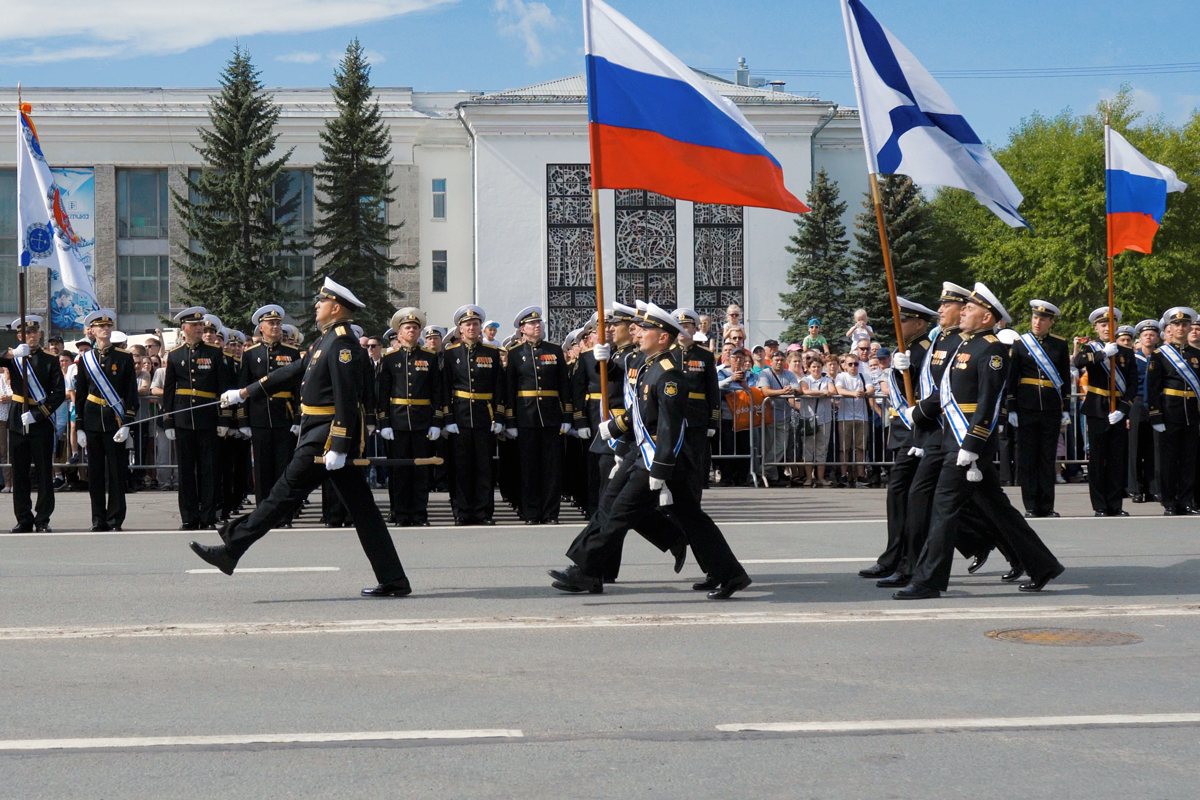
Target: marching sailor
[{"x": 1172, "y": 388}]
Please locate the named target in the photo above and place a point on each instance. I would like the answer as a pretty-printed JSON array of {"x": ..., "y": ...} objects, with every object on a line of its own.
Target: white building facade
[{"x": 493, "y": 192}]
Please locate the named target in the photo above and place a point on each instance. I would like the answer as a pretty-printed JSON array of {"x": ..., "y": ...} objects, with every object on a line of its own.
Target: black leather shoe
[
  {"x": 877, "y": 571},
  {"x": 487, "y": 521},
  {"x": 977, "y": 562},
  {"x": 533, "y": 522},
  {"x": 1138, "y": 498},
  {"x": 189, "y": 526},
  {"x": 1030, "y": 515},
  {"x": 680, "y": 553},
  {"x": 1191, "y": 512},
  {"x": 1036, "y": 585},
  {"x": 573, "y": 579},
  {"x": 894, "y": 581},
  {"x": 23, "y": 528},
  {"x": 1169, "y": 512},
  {"x": 1013, "y": 575},
  {"x": 1121, "y": 513},
  {"x": 1052, "y": 514},
  {"x": 421, "y": 523},
  {"x": 726, "y": 589},
  {"x": 915, "y": 592},
  {"x": 43, "y": 527},
  {"x": 706, "y": 585},
  {"x": 217, "y": 555},
  {"x": 98, "y": 529},
  {"x": 1100, "y": 514},
  {"x": 393, "y": 589},
  {"x": 116, "y": 529}
]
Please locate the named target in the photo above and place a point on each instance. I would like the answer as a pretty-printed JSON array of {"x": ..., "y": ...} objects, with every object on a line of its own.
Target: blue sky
[{"x": 498, "y": 44}]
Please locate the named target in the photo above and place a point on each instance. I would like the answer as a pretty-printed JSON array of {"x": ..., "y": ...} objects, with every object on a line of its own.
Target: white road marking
[
  {"x": 927, "y": 614},
  {"x": 1090, "y": 720},
  {"x": 253, "y": 738},
  {"x": 804, "y": 560},
  {"x": 244, "y": 570}
]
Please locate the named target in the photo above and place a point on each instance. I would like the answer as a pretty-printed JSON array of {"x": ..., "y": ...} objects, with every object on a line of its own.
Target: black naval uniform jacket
[
  {"x": 900, "y": 436},
  {"x": 538, "y": 392},
  {"x": 1029, "y": 387},
  {"x": 195, "y": 375},
  {"x": 585, "y": 391},
  {"x": 281, "y": 408},
  {"x": 978, "y": 379},
  {"x": 927, "y": 433},
  {"x": 331, "y": 389},
  {"x": 1096, "y": 404},
  {"x": 699, "y": 368},
  {"x": 93, "y": 411},
  {"x": 48, "y": 373},
  {"x": 411, "y": 390},
  {"x": 662, "y": 406},
  {"x": 1169, "y": 397},
  {"x": 473, "y": 378}
]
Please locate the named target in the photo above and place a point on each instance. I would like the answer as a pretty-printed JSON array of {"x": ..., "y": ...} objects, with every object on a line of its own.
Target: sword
[
  {"x": 389, "y": 462},
  {"x": 170, "y": 413}
]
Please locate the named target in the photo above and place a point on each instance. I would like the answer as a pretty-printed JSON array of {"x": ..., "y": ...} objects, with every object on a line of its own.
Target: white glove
[
  {"x": 232, "y": 397},
  {"x": 498, "y": 428},
  {"x": 222, "y": 431},
  {"x": 434, "y": 433},
  {"x": 27, "y": 419},
  {"x": 916, "y": 452},
  {"x": 1159, "y": 428},
  {"x": 334, "y": 460},
  {"x": 974, "y": 475},
  {"x": 712, "y": 432},
  {"x": 584, "y": 433},
  {"x": 612, "y": 473},
  {"x": 907, "y": 414},
  {"x": 452, "y": 427},
  {"x": 656, "y": 484},
  {"x": 1116, "y": 417},
  {"x": 244, "y": 433},
  {"x": 81, "y": 438},
  {"x": 122, "y": 434},
  {"x": 1111, "y": 349},
  {"x": 602, "y": 351},
  {"x": 170, "y": 432},
  {"x": 1012, "y": 418},
  {"x": 21, "y": 351},
  {"x": 564, "y": 429},
  {"x": 387, "y": 433},
  {"x": 295, "y": 429},
  {"x": 665, "y": 498},
  {"x": 966, "y": 458},
  {"x": 511, "y": 432},
  {"x": 901, "y": 361},
  {"x": 1066, "y": 420},
  {"x": 607, "y": 430}
]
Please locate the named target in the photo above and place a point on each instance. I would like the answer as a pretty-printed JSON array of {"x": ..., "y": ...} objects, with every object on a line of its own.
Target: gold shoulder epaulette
[
  {"x": 489, "y": 344},
  {"x": 251, "y": 347},
  {"x": 177, "y": 347},
  {"x": 925, "y": 344},
  {"x": 427, "y": 350},
  {"x": 452, "y": 346},
  {"x": 987, "y": 337},
  {"x": 1056, "y": 336},
  {"x": 340, "y": 330},
  {"x": 667, "y": 363}
]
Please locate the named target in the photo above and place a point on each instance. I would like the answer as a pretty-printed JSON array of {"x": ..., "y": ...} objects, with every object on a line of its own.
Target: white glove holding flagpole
[
  {"x": 121, "y": 435},
  {"x": 1116, "y": 417},
  {"x": 21, "y": 351},
  {"x": 1111, "y": 349},
  {"x": 601, "y": 352},
  {"x": 901, "y": 361}
]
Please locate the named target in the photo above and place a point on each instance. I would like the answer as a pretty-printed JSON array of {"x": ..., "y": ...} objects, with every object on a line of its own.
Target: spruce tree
[
  {"x": 354, "y": 183},
  {"x": 910, "y": 236},
  {"x": 818, "y": 276},
  {"x": 231, "y": 264}
]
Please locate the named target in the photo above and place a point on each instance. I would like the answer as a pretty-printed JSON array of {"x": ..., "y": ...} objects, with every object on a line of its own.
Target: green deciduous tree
[
  {"x": 819, "y": 274},
  {"x": 229, "y": 210},
  {"x": 354, "y": 182}
]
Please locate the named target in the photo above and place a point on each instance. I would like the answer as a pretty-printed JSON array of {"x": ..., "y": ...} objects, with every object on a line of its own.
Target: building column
[
  {"x": 104, "y": 270},
  {"x": 406, "y": 251}
]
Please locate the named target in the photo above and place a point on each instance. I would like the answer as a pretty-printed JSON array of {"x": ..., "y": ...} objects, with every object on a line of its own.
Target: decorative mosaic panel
[
  {"x": 570, "y": 256},
  {"x": 720, "y": 248},
  {"x": 646, "y": 248}
]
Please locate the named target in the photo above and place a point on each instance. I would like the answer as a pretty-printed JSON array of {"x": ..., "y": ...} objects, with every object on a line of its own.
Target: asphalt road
[{"x": 126, "y": 673}]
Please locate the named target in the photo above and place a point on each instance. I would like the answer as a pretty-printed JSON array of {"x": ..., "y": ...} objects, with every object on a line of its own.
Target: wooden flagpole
[
  {"x": 901, "y": 346},
  {"x": 1112, "y": 304},
  {"x": 21, "y": 299},
  {"x": 594, "y": 148}
]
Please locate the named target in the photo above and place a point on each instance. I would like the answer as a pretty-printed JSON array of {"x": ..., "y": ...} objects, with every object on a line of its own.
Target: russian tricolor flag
[
  {"x": 654, "y": 125},
  {"x": 1137, "y": 195}
]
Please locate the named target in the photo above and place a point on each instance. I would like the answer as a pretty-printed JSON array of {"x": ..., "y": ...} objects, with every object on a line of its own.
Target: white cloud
[
  {"x": 122, "y": 28},
  {"x": 332, "y": 57},
  {"x": 300, "y": 58},
  {"x": 528, "y": 22}
]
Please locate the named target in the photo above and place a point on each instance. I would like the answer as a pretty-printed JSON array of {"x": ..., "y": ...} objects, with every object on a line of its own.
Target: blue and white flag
[{"x": 910, "y": 125}]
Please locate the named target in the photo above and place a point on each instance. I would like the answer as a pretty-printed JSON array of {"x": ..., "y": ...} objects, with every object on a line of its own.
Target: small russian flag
[
  {"x": 1136, "y": 190},
  {"x": 656, "y": 126}
]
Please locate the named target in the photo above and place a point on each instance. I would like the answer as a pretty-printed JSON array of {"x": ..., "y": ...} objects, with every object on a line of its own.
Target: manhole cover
[{"x": 1065, "y": 637}]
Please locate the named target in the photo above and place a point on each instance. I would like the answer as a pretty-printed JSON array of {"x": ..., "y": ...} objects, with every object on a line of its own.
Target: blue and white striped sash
[
  {"x": 899, "y": 398},
  {"x": 96, "y": 372},
  {"x": 1043, "y": 361},
  {"x": 1182, "y": 367},
  {"x": 1107, "y": 364},
  {"x": 645, "y": 441},
  {"x": 36, "y": 392}
]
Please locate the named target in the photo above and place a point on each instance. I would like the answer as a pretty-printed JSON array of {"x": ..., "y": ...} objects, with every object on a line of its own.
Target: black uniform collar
[
  {"x": 661, "y": 354},
  {"x": 343, "y": 321}
]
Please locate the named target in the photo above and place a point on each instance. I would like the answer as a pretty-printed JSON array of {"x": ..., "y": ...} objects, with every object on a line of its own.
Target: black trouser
[
  {"x": 900, "y": 478},
  {"x": 305, "y": 472},
  {"x": 595, "y": 477},
  {"x": 1037, "y": 442},
  {"x": 34, "y": 449},
  {"x": 1177, "y": 466},
  {"x": 273, "y": 449},
  {"x": 108, "y": 463},
  {"x": 408, "y": 487},
  {"x": 1108, "y": 446},
  {"x": 473, "y": 495},
  {"x": 700, "y": 454},
  {"x": 197, "y": 475},
  {"x": 953, "y": 493},
  {"x": 541, "y": 472},
  {"x": 1142, "y": 444},
  {"x": 635, "y": 501},
  {"x": 234, "y": 458},
  {"x": 654, "y": 526}
]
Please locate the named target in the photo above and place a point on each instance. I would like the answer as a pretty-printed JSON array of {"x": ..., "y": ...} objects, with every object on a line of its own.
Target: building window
[
  {"x": 570, "y": 253},
  {"x": 646, "y": 248},
  {"x": 8, "y": 241},
  {"x": 719, "y": 258},
  {"x": 142, "y": 204},
  {"x": 296, "y": 288},
  {"x": 294, "y": 210},
  {"x": 143, "y": 284},
  {"x": 439, "y": 198},
  {"x": 439, "y": 270}
]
